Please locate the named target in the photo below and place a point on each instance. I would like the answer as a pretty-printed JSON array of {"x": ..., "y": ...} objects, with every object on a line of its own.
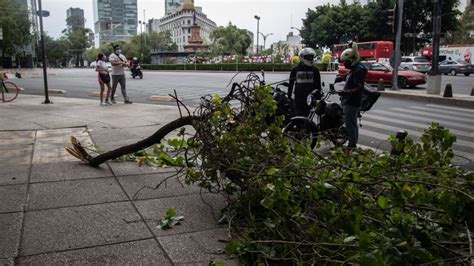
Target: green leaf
[
  {"x": 383, "y": 202},
  {"x": 272, "y": 171},
  {"x": 170, "y": 213},
  {"x": 368, "y": 260},
  {"x": 232, "y": 247},
  {"x": 267, "y": 202}
]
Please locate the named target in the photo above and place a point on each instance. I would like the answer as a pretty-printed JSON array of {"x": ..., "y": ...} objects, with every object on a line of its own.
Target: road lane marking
[
  {"x": 435, "y": 116},
  {"x": 452, "y": 108}
]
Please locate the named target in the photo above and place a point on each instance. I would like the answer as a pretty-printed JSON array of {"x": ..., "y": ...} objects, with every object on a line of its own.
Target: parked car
[
  {"x": 415, "y": 63},
  {"x": 377, "y": 71},
  {"x": 453, "y": 68}
]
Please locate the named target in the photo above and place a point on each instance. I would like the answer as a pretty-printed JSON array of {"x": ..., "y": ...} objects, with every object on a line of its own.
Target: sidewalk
[{"x": 56, "y": 210}]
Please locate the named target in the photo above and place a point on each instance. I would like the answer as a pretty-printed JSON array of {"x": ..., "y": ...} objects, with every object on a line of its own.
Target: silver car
[
  {"x": 415, "y": 63},
  {"x": 453, "y": 68}
]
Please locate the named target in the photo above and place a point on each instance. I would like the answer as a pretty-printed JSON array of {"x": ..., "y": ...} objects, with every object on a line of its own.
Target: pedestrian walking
[
  {"x": 351, "y": 96},
  {"x": 119, "y": 62},
  {"x": 104, "y": 79}
]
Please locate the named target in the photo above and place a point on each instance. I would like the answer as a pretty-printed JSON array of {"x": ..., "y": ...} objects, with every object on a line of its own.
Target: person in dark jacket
[
  {"x": 305, "y": 78},
  {"x": 351, "y": 96}
]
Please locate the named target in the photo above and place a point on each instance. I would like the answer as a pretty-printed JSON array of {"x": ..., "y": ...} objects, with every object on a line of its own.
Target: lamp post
[
  {"x": 258, "y": 29},
  {"x": 42, "y": 14},
  {"x": 265, "y": 38}
]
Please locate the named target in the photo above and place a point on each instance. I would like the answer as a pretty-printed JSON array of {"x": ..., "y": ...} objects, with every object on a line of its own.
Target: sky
[{"x": 277, "y": 16}]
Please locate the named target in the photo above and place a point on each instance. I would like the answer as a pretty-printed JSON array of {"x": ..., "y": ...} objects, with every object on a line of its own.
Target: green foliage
[
  {"x": 78, "y": 43},
  {"x": 57, "y": 51},
  {"x": 461, "y": 36},
  {"x": 230, "y": 40},
  {"x": 170, "y": 220},
  {"x": 327, "y": 25},
  {"x": 154, "y": 41},
  {"x": 16, "y": 27},
  {"x": 292, "y": 205},
  {"x": 229, "y": 67}
]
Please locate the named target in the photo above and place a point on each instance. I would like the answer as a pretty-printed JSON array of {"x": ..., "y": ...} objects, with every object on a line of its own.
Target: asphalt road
[
  {"x": 189, "y": 85},
  {"x": 386, "y": 117}
]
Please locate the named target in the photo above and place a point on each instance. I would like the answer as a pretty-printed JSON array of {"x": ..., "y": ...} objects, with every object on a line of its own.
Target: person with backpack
[
  {"x": 352, "y": 94},
  {"x": 119, "y": 62},
  {"x": 305, "y": 78}
]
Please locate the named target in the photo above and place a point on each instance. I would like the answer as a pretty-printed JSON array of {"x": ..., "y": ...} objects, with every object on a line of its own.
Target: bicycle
[{"x": 9, "y": 90}]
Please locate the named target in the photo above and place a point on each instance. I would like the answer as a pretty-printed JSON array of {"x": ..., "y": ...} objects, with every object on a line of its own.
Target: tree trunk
[{"x": 143, "y": 144}]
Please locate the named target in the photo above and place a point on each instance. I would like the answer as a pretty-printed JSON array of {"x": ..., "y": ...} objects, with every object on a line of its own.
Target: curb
[
  {"x": 97, "y": 94},
  {"x": 56, "y": 91},
  {"x": 159, "y": 98},
  {"x": 455, "y": 101}
]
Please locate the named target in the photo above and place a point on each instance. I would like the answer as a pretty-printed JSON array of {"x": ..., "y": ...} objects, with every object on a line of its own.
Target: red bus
[{"x": 368, "y": 50}]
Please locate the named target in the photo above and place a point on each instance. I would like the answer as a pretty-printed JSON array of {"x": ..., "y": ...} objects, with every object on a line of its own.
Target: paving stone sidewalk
[{"x": 55, "y": 210}]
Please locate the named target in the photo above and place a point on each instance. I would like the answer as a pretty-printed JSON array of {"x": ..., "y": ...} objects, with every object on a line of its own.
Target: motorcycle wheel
[
  {"x": 141, "y": 75},
  {"x": 301, "y": 131}
]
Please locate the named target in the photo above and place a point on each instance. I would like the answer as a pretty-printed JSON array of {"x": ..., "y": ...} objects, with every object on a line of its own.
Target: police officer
[{"x": 305, "y": 78}]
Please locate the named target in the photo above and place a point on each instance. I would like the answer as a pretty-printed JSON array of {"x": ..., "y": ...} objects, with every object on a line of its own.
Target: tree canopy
[
  {"x": 327, "y": 25},
  {"x": 16, "y": 27},
  {"x": 230, "y": 40},
  {"x": 462, "y": 35}
]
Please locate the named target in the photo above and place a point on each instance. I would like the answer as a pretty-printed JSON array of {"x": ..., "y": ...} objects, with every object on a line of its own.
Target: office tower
[
  {"x": 75, "y": 19},
  {"x": 115, "y": 20}
]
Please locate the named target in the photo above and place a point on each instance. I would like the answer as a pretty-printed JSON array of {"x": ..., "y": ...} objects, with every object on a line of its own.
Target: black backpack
[{"x": 369, "y": 98}]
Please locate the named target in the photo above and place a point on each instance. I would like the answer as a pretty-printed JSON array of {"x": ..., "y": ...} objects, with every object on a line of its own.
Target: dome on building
[{"x": 188, "y": 5}]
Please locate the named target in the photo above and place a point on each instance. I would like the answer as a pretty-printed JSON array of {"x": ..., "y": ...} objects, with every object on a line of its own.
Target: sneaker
[
  {"x": 127, "y": 101},
  {"x": 113, "y": 101},
  {"x": 108, "y": 103}
]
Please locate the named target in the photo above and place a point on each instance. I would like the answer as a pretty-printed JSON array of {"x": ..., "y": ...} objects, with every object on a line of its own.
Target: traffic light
[{"x": 393, "y": 17}]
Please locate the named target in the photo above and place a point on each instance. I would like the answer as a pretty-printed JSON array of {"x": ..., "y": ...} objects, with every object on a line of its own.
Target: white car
[{"x": 415, "y": 63}]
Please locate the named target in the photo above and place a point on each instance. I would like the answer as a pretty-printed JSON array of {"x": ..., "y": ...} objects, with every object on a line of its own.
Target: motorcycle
[
  {"x": 329, "y": 119},
  {"x": 137, "y": 71}
]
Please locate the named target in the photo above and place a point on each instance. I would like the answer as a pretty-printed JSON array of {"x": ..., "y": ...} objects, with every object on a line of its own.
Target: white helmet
[
  {"x": 350, "y": 54},
  {"x": 134, "y": 58},
  {"x": 307, "y": 55}
]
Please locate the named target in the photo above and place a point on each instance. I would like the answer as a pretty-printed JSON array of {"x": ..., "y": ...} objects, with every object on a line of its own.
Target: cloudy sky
[{"x": 277, "y": 16}]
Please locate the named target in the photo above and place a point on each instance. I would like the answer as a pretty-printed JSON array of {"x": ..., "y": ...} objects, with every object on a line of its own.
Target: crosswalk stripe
[
  {"x": 381, "y": 136},
  {"x": 433, "y": 116},
  {"x": 456, "y": 113},
  {"x": 416, "y": 118},
  {"x": 412, "y": 124},
  {"x": 459, "y": 142},
  {"x": 452, "y": 108}
]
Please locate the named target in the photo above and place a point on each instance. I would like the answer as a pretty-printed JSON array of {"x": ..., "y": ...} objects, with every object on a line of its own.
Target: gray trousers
[{"x": 119, "y": 79}]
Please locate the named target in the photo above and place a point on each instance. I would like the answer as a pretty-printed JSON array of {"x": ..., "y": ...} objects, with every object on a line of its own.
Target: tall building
[
  {"x": 173, "y": 6},
  {"x": 75, "y": 19},
  {"x": 180, "y": 23},
  {"x": 153, "y": 25},
  {"x": 114, "y": 20}
]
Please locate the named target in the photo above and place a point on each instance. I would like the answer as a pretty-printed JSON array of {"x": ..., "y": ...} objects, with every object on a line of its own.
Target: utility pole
[
  {"x": 434, "y": 77},
  {"x": 398, "y": 39},
  {"x": 45, "y": 74},
  {"x": 258, "y": 29}
]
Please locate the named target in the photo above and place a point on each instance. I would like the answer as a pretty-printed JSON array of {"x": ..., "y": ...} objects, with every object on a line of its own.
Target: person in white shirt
[
  {"x": 119, "y": 62},
  {"x": 104, "y": 78}
]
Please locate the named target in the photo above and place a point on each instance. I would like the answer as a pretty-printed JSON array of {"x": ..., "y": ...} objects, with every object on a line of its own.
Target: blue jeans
[{"x": 351, "y": 114}]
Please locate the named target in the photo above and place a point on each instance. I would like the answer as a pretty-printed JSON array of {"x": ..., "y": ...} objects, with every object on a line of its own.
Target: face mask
[
  {"x": 118, "y": 51},
  {"x": 347, "y": 64}
]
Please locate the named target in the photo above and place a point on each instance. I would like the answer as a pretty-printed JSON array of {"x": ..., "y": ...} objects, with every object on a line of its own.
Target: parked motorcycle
[
  {"x": 329, "y": 119},
  {"x": 136, "y": 71}
]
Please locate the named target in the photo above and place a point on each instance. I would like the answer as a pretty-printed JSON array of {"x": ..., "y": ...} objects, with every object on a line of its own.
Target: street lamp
[
  {"x": 265, "y": 38},
  {"x": 43, "y": 13},
  {"x": 141, "y": 37},
  {"x": 258, "y": 29}
]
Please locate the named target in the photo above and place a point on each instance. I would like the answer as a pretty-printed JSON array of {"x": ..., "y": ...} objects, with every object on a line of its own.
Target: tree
[
  {"x": 16, "y": 28},
  {"x": 230, "y": 40},
  {"x": 79, "y": 42},
  {"x": 462, "y": 35},
  {"x": 332, "y": 24},
  {"x": 155, "y": 41},
  {"x": 57, "y": 51}
]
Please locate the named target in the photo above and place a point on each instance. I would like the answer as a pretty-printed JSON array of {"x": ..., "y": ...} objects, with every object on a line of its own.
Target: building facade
[
  {"x": 179, "y": 24},
  {"x": 114, "y": 20},
  {"x": 288, "y": 48},
  {"x": 75, "y": 19}
]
